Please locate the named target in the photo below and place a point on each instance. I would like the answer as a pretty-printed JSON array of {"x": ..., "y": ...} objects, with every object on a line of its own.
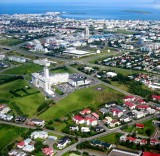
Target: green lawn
[
  {"x": 9, "y": 133},
  {"x": 24, "y": 69},
  {"x": 27, "y": 104},
  {"x": 88, "y": 97},
  {"x": 10, "y": 42},
  {"x": 111, "y": 138},
  {"x": 129, "y": 129}
]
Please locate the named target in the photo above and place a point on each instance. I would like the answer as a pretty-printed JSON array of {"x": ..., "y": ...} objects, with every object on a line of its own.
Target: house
[
  {"x": 111, "y": 104},
  {"x": 95, "y": 115},
  {"x": 74, "y": 128},
  {"x": 21, "y": 144},
  {"x": 108, "y": 119},
  {"x": 28, "y": 148},
  {"x": 48, "y": 151},
  {"x": 62, "y": 143},
  {"x": 143, "y": 142},
  {"x": 8, "y": 118},
  {"x": 117, "y": 112},
  {"x": 27, "y": 141},
  {"x": 138, "y": 125},
  {"x": 104, "y": 110},
  {"x": 39, "y": 134},
  {"x": 151, "y": 111},
  {"x": 130, "y": 105},
  {"x": 131, "y": 139},
  {"x": 129, "y": 98},
  {"x": 141, "y": 101},
  {"x": 114, "y": 123},
  {"x": 90, "y": 121},
  {"x": 111, "y": 74},
  {"x": 154, "y": 142},
  {"x": 125, "y": 118},
  {"x": 85, "y": 129},
  {"x": 85, "y": 111},
  {"x": 123, "y": 138},
  {"x": 4, "y": 109},
  {"x": 150, "y": 154},
  {"x": 15, "y": 152},
  {"x": 20, "y": 119},
  {"x": 138, "y": 114},
  {"x": 101, "y": 144},
  {"x": 78, "y": 119},
  {"x": 156, "y": 97},
  {"x": 142, "y": 107},
  {"x": 37, "y": 122},
  {"x": 99, "y": 129}
]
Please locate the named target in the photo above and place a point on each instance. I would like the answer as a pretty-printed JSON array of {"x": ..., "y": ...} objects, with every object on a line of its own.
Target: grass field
[
  {"x": 10, "y": 42},
  {"x": 119, "y": 85},
  {"x": 129, "y": 129},
  {"x": 28, "y": 104},
  {"x": 88, "y": 97},
  {"x": 61, "y": 70},
  {"x": 24, "y": 69},
  {"x": 111, "y": 138},
  {"x": 9, "y": 133}
]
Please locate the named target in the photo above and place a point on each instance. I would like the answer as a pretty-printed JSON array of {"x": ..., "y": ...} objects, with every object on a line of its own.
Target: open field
[
  {"x": 111, "y": 138},
  {"x": 28, "y": 104},
  {"x": 120, "y": 85},
  {"x": 88, "y": 97},
  {"x": 24, "y": 69},
  {"x": 61, "y": 70},
  {"x": 9, "y": 133},
  {"x": 10, "y": 42}
]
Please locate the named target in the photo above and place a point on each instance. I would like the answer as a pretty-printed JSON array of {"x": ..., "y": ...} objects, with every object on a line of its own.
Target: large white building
[{"x": 45, "y": 81}]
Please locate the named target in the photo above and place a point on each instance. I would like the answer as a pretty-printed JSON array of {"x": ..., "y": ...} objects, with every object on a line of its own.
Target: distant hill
[{"x": 156, "y": 2}]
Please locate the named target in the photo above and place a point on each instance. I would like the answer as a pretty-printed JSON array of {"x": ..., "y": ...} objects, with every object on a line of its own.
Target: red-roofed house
[
  {"x": 78, "y": 119},
  {"x": 21, "y": 144},
  {"x": 150, "y": 154},
  {"x": 90, "y": 121},
  {"x": 143, "y": 142},
  {"x": 48, "y": 151},
  {"x": 130, "y": 105},
  {"x": 156, "y": 97},
  {"x": 144, "y": 107},
  {"x": 154, "y": 142},
  {"x": 141, "y": 101},
  {"x": 131, "y": 139},
  {"x": 117, "y": 112},
  {"x": 129, "y": 98},
  {"x": 85, "y": 111},
  {"x": 95, "y": 115},
  {"x": 138, "y": 125}
]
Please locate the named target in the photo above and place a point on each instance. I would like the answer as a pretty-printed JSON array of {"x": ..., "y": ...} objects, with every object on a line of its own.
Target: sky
[{"x": 93, "y": 1}]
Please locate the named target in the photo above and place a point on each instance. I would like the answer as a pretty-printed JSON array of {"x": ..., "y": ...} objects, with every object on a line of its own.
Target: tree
[{"x": 148, "y": 131}]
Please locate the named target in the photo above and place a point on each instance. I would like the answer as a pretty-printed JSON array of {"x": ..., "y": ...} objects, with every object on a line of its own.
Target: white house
[
  {"x": 39, "y": 134},
  {"x": 28, "y": 148},
  {"x": 62, "y": 143},
  {"x": 111, "y": 74},
  {"x": 85, "y": 129}
]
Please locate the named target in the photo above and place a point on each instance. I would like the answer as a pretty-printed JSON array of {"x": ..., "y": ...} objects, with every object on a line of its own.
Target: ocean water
[{"x": 83, "y": 10}]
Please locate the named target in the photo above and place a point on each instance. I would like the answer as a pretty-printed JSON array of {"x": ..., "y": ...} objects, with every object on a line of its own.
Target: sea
[{"x": 86, "y": 10}]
